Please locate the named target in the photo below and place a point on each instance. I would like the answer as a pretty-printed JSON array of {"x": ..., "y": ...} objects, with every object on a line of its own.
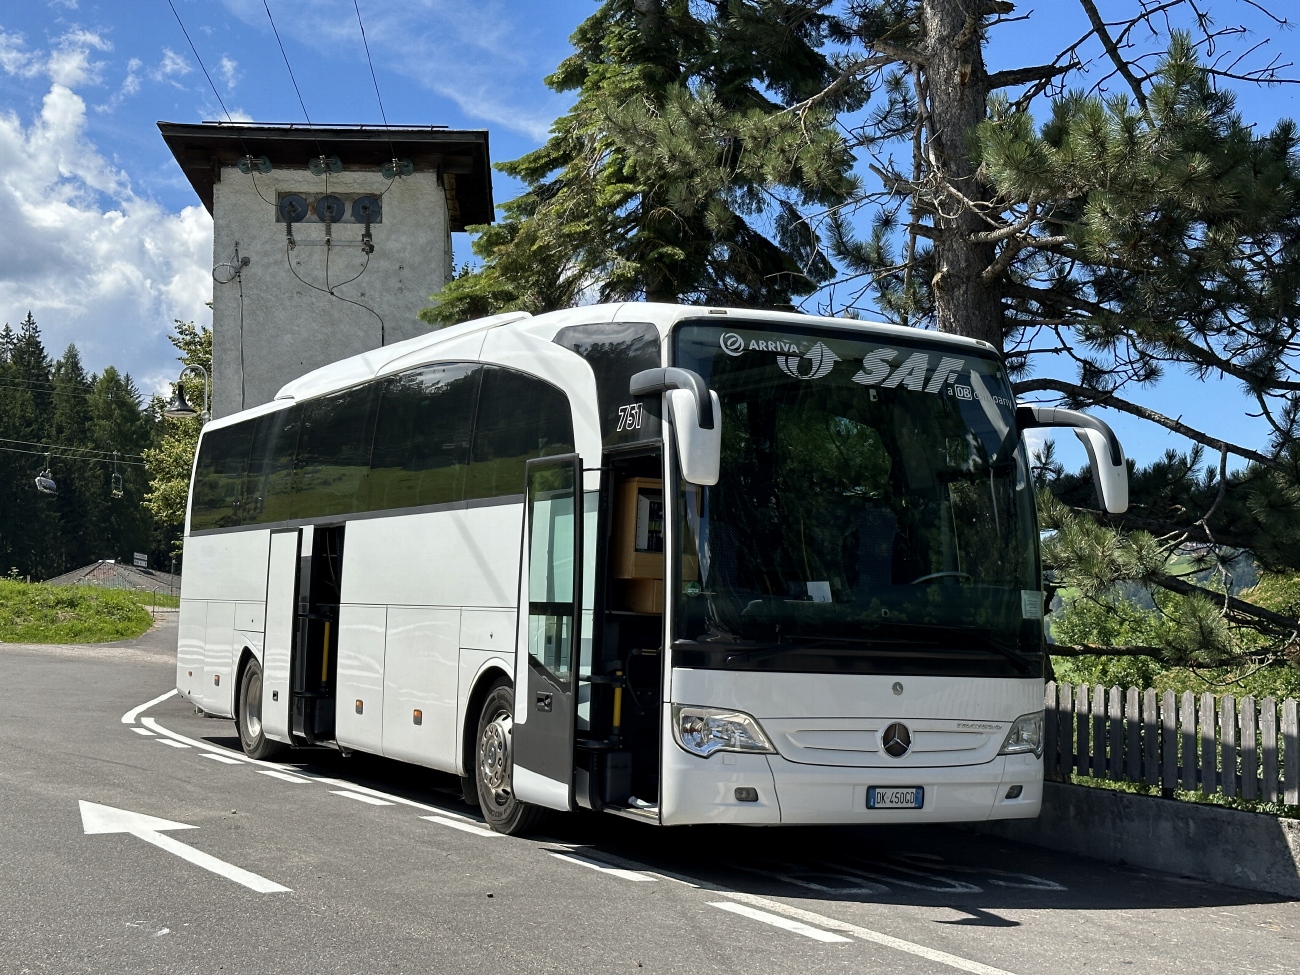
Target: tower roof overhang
[{"x": 459, "y": 156}]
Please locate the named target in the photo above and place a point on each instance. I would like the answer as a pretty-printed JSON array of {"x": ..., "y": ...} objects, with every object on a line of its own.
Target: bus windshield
[{"x": 873, "y": 515}]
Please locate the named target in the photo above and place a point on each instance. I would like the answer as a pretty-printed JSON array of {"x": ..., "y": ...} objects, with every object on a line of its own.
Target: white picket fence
[{"x": 1239, "y": 747}]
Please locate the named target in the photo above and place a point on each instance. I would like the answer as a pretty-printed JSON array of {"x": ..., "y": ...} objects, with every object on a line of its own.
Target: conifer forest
[{"x": 90, "y": 432}]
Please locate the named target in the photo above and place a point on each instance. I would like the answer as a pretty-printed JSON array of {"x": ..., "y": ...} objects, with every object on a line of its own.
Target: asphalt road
[{"x": 387, "y": 871}]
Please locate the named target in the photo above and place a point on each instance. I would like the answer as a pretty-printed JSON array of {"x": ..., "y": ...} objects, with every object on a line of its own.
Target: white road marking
[
  {"x": 592, "y": 865},
  {"x": 313, "y": 776},
  {"x": 207, "y": 746},
  {"x": 174, "y": 744},
  {"x": 467, "y": 827},
  {"x": 142, "y": 731},
  {"x": 222, "y": 758},
  {"x": 348, "y": 793},
  {"x": 821, "y": 920},
  {"x": 130, "y": 716},
  {"x": 96, "y": 818},
  {"x": 797, "y": 927},
  {"x": 275, "y": 774}
]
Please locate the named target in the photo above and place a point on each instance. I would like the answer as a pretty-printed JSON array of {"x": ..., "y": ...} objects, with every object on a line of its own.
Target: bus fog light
[
  {"x": 703, "y": 731},
  {"x": 1025, "y": 736},
  {"x": 746, "y": 794},
  {"x": 1014, "y": 791}
]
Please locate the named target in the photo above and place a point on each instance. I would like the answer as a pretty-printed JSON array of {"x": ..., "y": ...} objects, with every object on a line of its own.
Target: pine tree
[
  {"x": 1141, "y": 227},
  {"x": 678, "y": 175}
]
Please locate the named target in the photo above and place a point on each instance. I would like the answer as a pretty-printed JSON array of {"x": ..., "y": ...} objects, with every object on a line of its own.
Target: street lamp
[{"x": 178, "y": 408}]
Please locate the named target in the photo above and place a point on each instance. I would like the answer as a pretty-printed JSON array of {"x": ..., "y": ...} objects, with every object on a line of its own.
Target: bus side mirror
[
  {"x": 696, "y": 416},
  {"x": 1105, "y": 455},
  {"x": 699, "y": 448}
]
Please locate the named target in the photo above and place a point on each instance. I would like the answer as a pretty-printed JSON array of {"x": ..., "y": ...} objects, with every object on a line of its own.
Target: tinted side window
[
  {"x": 270, "y": 476},
  {"x": 519, "y": 418},
  {"x": 333, "y": 456},
  {"x": 616, "y": 351},
  {"x": 219, "y": 477},
  {"x": 421, "y": 449}
]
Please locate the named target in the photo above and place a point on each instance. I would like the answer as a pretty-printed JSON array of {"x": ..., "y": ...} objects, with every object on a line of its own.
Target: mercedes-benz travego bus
[{"x": 680, "y": 564}]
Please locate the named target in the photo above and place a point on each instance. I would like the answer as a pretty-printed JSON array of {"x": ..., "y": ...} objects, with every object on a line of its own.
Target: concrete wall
[
  {"x": 1211, "y": 843},
  {"x": 290, "y": 324}
]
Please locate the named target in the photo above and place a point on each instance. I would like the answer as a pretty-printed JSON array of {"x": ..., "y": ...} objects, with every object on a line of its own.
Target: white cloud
[
  {"x": 14, "y": 60},
  {"x": 95, "y": 263},
  {"x": 171, "y": 66},
  {"x": 68, "y": 63},
  {"x": 228, "y": 70},
  {"x": 130, "y": 86}
]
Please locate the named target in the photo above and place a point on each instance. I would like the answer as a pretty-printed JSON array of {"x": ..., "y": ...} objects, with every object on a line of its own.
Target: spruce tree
[
  {"x": 80, "y": 502},
  {"x": 119, "y": 423}
]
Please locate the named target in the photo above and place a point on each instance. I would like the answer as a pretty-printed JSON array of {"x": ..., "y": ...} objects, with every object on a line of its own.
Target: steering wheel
[{"x": 942, "y": 575}]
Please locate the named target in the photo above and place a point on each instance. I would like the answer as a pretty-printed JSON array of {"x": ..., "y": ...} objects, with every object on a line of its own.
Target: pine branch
[
  {"x": 1021, "y": 76},
  {"x": 898, "y": 53},
  {"x": 1237, "y": 610},
  {"x": 1099, "y": 26},
  {"x": 1100, "y": 650},
  {"x": 1098, "y": 397}
]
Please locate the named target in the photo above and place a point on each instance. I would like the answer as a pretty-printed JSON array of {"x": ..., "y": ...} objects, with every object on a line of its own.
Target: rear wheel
[
  {"x": 494, "y": 767},
  {"x": 248, "y": 718}
]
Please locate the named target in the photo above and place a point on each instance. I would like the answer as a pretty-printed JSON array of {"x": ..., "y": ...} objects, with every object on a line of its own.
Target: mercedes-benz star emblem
[{"x": 896, "y": 740}]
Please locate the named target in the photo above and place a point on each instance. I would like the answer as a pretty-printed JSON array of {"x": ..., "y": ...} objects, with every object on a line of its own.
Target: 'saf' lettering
[
  {"x": 948, "y": 370},
  {"x": 910, "y": 374},
  {"x": 875, "y": 367}
]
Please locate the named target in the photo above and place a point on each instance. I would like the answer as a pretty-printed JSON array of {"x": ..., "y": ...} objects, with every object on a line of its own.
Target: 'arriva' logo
[{"x": 813, "y": 364}]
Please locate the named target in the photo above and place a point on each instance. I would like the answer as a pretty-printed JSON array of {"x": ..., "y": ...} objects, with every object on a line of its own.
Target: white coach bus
[{"x": 681, "y": 564}]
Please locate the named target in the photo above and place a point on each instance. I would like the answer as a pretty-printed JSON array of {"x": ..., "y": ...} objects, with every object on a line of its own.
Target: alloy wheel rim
[
  {"x": 494, "y": 757},
  {"x": 253, "y": 707}
]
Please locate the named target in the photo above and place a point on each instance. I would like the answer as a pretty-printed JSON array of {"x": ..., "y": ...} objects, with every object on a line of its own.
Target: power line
[
  {"x": 267, "y": 7},
  {"x": 378, "y": 97},
  {"x": 54, "y": 446},
  {"x": 202, "y": 66},
  {"x": 97, "y": 460}
]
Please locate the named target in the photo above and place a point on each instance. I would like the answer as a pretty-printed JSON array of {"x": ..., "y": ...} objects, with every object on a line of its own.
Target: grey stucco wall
[{"x": 290, "y": 323}]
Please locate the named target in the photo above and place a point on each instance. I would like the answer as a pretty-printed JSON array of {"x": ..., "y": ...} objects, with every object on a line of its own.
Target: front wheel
[
  {"x": 494, "y": 767},
  {"x": 248, "y": 718}
]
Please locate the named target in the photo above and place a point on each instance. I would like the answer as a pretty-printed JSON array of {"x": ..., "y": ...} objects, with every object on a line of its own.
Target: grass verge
[{"x": 37, "y": 613}]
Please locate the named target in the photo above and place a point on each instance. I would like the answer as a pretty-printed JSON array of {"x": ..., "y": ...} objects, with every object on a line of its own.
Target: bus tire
[
  {"x": 248, "y": 717},
  {"x": 494, "y": 767}
]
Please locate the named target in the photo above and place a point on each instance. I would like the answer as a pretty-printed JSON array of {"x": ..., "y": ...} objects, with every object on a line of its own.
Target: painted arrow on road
[{"x": 105, "y": 819}]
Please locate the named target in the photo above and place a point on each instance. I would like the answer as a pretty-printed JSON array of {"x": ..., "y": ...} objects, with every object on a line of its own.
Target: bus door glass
[{"x": 547, "y": 641}]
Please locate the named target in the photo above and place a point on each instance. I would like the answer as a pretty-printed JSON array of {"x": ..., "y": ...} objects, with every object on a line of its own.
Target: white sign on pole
[{"x": 141, "y": 561}]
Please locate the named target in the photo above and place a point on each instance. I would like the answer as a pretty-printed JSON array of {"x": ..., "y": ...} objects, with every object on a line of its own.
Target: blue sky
[{"x": 105, "y": 242}]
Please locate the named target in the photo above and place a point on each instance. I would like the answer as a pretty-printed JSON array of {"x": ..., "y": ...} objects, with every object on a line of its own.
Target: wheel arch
[
  {"x": 245, "y": 655},
  {"x": 492, "y": 672}
]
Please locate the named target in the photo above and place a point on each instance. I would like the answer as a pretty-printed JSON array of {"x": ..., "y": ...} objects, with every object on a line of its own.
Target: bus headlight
[
  {"x": 703, "y": 731},
  {"x": 1025, "y": 736}
]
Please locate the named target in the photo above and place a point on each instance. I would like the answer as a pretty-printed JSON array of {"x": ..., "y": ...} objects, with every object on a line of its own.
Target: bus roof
[{"x": 366, "y": 366}]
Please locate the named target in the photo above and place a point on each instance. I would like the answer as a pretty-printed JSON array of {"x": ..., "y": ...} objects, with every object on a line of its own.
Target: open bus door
[{"x": 546, "y": 644}]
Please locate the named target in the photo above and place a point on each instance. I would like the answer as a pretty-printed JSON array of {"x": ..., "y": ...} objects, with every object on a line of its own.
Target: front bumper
[{"x": 697, "y": 790}]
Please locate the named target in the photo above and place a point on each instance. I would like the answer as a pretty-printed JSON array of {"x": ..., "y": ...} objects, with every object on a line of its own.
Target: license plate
[{"x": 895, "y": 797}]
